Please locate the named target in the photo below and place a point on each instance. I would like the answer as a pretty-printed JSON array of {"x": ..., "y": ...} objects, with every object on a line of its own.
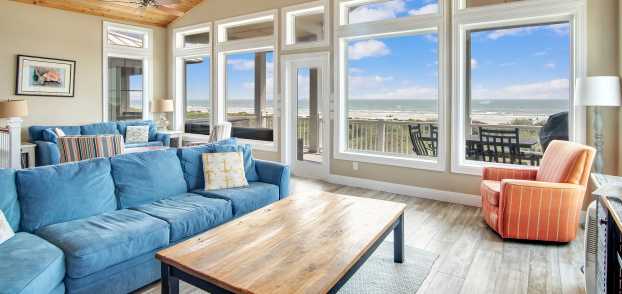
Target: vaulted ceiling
[{"x": 127, "y": 10}]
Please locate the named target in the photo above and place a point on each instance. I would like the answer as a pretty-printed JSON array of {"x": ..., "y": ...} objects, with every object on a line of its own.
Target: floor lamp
[{"x": 599, "y": 92}]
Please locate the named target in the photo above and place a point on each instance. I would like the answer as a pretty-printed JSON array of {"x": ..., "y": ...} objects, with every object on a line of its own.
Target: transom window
[
  {"x": 361, "y": 11},
  {"x": 306, "y": 25}
]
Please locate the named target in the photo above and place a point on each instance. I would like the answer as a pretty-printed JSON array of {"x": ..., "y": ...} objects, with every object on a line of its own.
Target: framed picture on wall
[{"x": 40, "y": 76}]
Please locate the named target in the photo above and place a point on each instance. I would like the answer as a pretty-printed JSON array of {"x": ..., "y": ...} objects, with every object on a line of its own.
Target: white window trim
[
  {"x": 144, "y": 54},
  {"x": 460, "y": 5},
  {"x": 529, "y": 12},
  {"x": 411, "y": 25},
  {"x": 288, "y": 15},
  {"x": 178, "y": 76},
  {"x": 224, "y": 48}
]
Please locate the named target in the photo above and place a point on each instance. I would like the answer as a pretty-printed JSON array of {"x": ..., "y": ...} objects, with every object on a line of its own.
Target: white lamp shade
[
  {"x": 598, "y": 91},
  {"x": 163, "y": 105},
  {"x": 13, "y": 108}
]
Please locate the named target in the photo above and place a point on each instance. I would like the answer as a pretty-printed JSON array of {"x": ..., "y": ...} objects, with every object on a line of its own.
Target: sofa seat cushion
[
  {"x": 491, "y": 190},
  {"x": 245, "y": 199},
  {"x": 148, "y": 144},
  {"x": 29, "y": 264},
  {"x": 189, "y": 214},
  {"x": 98, "y": 242}
]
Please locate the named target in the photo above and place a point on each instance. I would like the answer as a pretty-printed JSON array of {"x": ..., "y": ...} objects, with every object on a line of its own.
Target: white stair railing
[{"x": 10, "y": 144}]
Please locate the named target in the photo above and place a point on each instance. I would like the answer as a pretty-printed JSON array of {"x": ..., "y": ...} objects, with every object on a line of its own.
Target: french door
[{"x": 306, "y": 114}]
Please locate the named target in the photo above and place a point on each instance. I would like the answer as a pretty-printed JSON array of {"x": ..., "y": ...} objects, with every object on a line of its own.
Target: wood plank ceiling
[{"x": 122, "y": 9}]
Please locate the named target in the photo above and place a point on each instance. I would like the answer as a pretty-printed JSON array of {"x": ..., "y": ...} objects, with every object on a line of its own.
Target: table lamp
[
  {"x": 598, "y": 91},
  {"x": 163, "y": 106},
  {"x": 13, "y": 111}
]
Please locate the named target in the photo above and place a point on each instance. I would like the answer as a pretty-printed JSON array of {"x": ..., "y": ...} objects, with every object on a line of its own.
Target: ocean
[{"x": 513, "y": 107}]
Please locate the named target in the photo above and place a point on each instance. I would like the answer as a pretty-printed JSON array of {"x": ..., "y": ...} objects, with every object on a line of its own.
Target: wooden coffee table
[{"x": 306, "y": 243}]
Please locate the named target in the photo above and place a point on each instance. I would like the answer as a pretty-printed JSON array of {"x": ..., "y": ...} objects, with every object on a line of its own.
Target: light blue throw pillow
[{"x": 50, "y": 136}]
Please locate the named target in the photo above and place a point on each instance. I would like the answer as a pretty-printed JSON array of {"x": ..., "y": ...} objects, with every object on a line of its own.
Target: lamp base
[{"x": 163, "y": 123}]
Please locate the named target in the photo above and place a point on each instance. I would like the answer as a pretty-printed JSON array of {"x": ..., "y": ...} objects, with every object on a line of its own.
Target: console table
[{"x": 609, "y": 247}]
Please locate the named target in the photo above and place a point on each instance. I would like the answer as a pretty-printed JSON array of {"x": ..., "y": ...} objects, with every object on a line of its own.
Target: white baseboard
[{"x": 427, "y": 193}]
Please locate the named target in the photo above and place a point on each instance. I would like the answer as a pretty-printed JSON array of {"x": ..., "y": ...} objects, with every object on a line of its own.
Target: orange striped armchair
[{"x": 539, "y": 203}]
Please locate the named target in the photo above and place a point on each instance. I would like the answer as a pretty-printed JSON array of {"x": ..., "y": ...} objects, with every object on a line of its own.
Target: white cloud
[
  {"x": 368, "y": 82},
  {"x": 369, "y": 48},
  {"x": 410, "y": 92},
  {"x": 549, "y": 65},
  {"x": 241, "y": 64},
  {"x": 427, "y": 9},
  {"x": 560, "y": 29},
  {"x": 373, "y": 12},
  {"x": 552, "y": 89},
  {"x": 474, "y": 63}
]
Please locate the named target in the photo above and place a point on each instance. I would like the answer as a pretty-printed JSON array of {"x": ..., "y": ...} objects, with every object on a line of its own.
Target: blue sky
[
  {"x": 198, "y": 81},
  {"x": 241, "y": 76}
]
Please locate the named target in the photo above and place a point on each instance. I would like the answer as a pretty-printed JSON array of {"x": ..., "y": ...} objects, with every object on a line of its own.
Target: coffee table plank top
[{"x": 302, "y": 244}]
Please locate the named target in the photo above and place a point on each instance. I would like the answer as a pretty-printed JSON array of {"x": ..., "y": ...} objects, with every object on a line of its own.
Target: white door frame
[{"x": 289, "y": 104}]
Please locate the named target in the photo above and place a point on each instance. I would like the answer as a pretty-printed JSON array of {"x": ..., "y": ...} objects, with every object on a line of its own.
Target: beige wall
[
  {"x": 39, "y": 31},
  {"x": 603, "y": 59}
]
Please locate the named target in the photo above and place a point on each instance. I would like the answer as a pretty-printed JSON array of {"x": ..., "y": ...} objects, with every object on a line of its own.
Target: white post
[{"x": 15, "y": 142}]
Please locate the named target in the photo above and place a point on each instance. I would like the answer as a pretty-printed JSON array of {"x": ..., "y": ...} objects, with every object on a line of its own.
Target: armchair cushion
[{"x": 566, "y": 162}]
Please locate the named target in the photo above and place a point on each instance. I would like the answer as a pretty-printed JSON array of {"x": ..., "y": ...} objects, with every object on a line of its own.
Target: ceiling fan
[{"x": 168, "y": 6}]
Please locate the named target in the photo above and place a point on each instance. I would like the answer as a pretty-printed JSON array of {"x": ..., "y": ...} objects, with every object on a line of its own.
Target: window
[
  {"x": 197, "y": 95},
  {"x": 515, "y": 85},
  {"x": 193, "y": 80},
  {"x": 125, "y": 88},
  {"x": 477, "y": 3},
  {"x": 245, "y": 78},
  {"x": 127, "y": 72},
  {"x": 126, "y": 38},
  {"x": 246, "y": 27},
  {"x": 250, "y": 96},
  {"x": 390, "y": 85},
  {"x": 357, "y": 11},
  {"x": 306, "y": 25}
]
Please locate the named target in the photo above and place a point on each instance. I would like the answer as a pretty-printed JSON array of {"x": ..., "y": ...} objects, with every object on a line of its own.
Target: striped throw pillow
[{"x": 77, "y": 148}]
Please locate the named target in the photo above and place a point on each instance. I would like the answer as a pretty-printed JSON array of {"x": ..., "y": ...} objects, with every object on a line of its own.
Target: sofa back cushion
[
  {"x": 107, "y": 128},
  {"x": 56, "y": 194},
  {"x": 566, "y": 162},
  {"x": 8, "y": 198},
  {"x": 122, "y": 127},
  {"x": 145, "y": 177},
  {"x": 36, "y": 132}
]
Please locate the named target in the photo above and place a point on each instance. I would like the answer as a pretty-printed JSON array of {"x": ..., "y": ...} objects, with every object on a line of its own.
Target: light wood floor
[{"x": 472, "y": 258}]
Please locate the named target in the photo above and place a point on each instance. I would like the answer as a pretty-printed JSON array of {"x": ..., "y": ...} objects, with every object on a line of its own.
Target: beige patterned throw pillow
[
  {"x": 223, "y": 170},
  {"x": 6, "y": 232},
  {"x": 137, "y": 134}
]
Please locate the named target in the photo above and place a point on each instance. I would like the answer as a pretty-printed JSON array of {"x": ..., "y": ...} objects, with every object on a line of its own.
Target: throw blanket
[{"x": 76, "y": 148}]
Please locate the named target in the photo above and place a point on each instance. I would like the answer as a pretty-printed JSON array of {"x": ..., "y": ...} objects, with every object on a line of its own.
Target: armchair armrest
[
  {"x": 540, "y": 210},
  {"x": 274, "y": 173},
  {"x": 47, "y": 153},
  {"x": 164, "y": 138},
  {"x": 502, "y": 173}
]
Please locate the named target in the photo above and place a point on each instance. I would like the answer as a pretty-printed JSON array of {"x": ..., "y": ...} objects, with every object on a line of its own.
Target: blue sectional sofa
[
  {"x": 47, "y": 151},
  {"x": 94, "y": 226}
]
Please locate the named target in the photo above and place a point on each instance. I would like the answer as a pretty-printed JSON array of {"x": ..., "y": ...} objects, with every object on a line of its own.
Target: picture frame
[{"x": 42, "y": 76}]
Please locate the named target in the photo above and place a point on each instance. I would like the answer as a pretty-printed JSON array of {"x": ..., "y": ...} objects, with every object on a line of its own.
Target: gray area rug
[{"x": 379, "y": 274}]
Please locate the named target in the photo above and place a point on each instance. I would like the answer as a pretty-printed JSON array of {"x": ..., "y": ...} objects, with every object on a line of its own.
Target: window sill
[
  {"x": 433, "y": 164},
  {"x": 475, "y": 168}
]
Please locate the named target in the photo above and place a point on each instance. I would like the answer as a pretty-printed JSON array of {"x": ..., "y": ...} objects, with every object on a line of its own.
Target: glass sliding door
[{"x": 125, "y": 89}]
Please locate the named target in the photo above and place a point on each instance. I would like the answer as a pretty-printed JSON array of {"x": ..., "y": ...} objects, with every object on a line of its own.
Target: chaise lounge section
[{"x": 94, "y": 226}]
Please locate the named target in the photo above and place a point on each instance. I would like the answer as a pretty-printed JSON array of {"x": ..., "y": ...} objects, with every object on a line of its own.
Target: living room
[{"x": 286, "y": 146}]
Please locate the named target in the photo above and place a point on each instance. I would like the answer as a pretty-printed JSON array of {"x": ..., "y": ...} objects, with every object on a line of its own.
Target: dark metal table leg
[
  {"x": 170, "y": 284},
  {"x": 398, "y": 242}
]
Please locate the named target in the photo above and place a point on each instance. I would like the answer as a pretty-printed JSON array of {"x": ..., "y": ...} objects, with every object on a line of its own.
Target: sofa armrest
[
  {"x": 164, "y": 138},
  {"x": 501, "y": 173},
  {"x": 274, "y": 173},
  {"x": 47, "y": 153},
  {"x": 540, "y": 210}
]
